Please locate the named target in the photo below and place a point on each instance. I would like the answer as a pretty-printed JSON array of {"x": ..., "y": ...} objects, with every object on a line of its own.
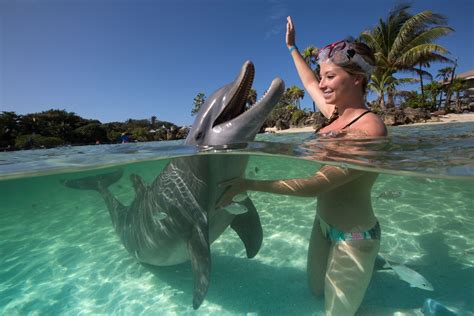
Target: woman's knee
[
  {"x": 316, "y": 275},
  {"x": 317, "y": 288}
]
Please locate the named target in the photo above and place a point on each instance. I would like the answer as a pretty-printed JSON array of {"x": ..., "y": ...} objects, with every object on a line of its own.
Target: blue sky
[{"x": 114, "y": 59}]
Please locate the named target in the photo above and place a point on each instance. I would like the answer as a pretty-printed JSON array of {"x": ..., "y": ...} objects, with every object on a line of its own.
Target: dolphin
[{"x": 174, "y": 219}]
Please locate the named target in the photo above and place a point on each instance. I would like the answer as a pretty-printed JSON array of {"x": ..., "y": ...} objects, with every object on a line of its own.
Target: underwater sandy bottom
[{"x": 60, "y": 254}]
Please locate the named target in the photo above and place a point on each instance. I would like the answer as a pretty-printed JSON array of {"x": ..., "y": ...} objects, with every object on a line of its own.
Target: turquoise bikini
[{"x": 334, "y": 234}]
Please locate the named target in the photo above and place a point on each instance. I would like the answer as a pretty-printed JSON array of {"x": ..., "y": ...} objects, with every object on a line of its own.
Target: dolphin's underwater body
[{"x": 174, "y": 219}]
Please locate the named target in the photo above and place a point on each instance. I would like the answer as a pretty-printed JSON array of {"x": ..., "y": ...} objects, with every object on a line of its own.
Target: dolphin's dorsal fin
[
  {"x": 138, "y": 184},
  {"x": 200, "y": 254},
  {"x": 249, "y": 228}
]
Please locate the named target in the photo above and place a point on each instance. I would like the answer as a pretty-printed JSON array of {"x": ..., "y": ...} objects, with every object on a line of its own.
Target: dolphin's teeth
[{"x": 263, "y": 96}]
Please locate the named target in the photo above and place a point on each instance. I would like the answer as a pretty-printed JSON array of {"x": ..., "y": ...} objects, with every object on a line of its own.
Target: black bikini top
[
  {"x": 335, "y": 115},
  {"x": 356, "y": 119}
]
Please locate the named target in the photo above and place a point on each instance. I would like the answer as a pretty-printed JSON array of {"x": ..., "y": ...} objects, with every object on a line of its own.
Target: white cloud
[{"x": 276, "y": 18}]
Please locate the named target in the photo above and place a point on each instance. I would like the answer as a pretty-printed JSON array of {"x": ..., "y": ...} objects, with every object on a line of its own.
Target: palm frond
[
  {"x": 435, "y": 57},
  {"x": 444, "y": 73},
  {"x": 414, "y": 55},
  {"x": 410, "y": 28},
  {"x": 400, "y": 81},
  {"x": 428, "y": 36},
  {"x": 423, "y": 73}
]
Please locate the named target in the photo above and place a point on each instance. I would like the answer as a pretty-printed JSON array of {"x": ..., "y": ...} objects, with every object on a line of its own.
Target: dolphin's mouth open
[
  {"x": 234, "y": 119},
  {"x": 236, "y": 105}
]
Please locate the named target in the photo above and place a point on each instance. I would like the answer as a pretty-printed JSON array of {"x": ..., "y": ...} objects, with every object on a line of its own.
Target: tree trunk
[
  {"x": 422, "y": 88},
  {"x": 447, "y": 105},
  {"x": 440, "y": 99},
  {"x": 458, "y": 102},
  {"x": 390, "y": 99},
  {"x": 382, "y": 102}
]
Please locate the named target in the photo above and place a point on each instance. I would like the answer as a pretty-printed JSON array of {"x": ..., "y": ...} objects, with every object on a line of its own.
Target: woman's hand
[
  {"x": 234, "y": 187},
  {"x": 290, "y": 33}
]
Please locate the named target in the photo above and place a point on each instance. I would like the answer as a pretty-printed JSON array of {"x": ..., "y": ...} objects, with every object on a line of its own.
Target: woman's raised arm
[{"x": 309, "y": 80}]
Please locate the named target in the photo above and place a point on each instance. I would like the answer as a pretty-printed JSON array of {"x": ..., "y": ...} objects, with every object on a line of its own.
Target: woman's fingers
[
  {"x": 231, "y": 190},
  {"x": 290, "y": 32},
  {"x": 227, "y": 183},
  {"x": 226, "y": 198}
]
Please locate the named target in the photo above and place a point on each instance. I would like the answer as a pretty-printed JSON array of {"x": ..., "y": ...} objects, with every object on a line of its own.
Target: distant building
[{"x": 469, "y": 87}]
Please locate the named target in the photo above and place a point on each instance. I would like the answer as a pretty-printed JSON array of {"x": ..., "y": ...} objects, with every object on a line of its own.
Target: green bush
[
  {"x": 414, "y": 100},
  {"x": 141, "y": 134},
  {"x": 113, "y": 136},
  {"x": 160, "y": 134},
  {"x": 37, "y": 141},
  {"x": 280, "y": 113},
  {"x": 90, "y": 133},
  {"x": 297, "y": 116}
]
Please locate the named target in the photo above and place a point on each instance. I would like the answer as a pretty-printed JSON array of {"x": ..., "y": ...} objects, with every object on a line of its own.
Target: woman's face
[{"x": 337, "y": 85}]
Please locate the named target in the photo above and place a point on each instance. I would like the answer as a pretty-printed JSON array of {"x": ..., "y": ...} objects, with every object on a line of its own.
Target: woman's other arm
[{"x": 327, "y": 178}]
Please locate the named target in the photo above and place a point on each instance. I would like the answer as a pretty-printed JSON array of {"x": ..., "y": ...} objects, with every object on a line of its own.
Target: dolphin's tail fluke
[
  {"x": 200, "y": 254},
  {"x": 98, "y": 182}
]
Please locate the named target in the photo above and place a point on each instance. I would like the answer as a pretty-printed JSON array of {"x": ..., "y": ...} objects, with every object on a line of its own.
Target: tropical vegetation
[
  {"x": 58, "y": 127},
  {"x": 403, "y": 43},
  {"x": 405, "y": 48}
]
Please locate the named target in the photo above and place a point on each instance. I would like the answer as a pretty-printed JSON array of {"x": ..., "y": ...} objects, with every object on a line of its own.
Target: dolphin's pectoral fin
[
  {"x": 200, "y": 254},
  {"x": 249, "y": 228}
]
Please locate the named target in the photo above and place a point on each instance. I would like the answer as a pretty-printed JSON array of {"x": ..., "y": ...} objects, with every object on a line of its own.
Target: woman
[{"x": 345, "y": 238}]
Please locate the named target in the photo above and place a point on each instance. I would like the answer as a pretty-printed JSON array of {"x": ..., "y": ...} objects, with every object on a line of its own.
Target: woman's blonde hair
[{"x": 366, "y": 53}]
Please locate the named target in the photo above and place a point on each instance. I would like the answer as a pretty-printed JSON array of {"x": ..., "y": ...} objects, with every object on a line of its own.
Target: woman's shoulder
[{"x": 371, "y": 125}]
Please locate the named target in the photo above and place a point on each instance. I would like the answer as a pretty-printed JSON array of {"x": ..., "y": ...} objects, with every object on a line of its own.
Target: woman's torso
[{"x": 348, "y": 207}]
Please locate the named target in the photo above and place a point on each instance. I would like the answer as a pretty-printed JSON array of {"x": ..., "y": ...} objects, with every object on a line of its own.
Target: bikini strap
[{"x": 356, "y": 119}]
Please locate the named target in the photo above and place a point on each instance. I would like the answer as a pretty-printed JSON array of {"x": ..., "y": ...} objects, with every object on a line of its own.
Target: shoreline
[{"x": 441, "y": 119}]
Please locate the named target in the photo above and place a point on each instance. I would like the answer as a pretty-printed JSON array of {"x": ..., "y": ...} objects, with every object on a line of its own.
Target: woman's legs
[
  {"x": 318, "y": 252},
  {"x": 349, "y": 270}
]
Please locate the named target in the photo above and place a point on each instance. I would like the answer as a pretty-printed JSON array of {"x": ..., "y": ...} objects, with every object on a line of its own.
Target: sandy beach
[{"x": 442, "y": 119}]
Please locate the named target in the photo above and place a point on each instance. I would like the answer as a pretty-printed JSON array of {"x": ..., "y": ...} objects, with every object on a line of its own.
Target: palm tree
[
  {"x": 423, "y": 73},
  {"x": 251, "y": 98},
  {"x": 447, "y": 75},
  {"x": 444, "y": 74},
  {"x": 387, "y": 83},
  {"x": 447, "y": 104},
  {"x": 379, "y": 85},
  {"x": 433, "y": 89},
  {"x": 295, "y": 94},
  {"x": 310, "y": 55},
  {"x": 198, "y": 102},
  {"x": 457, "y": 86},
  {"x": 402, "y": 41}
]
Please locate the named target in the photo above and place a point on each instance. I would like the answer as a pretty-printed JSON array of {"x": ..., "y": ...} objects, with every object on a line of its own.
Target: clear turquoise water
[{"x": 61, "y": 256}]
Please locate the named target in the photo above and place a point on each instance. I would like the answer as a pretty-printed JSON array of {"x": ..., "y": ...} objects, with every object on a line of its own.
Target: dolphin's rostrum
[{"x": 174, "y": 218}]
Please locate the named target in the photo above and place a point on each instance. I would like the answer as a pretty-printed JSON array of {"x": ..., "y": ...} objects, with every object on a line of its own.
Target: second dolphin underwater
[{"x": 174, "y": 218}]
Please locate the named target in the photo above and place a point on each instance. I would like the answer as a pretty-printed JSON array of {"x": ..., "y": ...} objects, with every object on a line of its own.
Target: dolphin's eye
[{"x": 198, "y": 136}]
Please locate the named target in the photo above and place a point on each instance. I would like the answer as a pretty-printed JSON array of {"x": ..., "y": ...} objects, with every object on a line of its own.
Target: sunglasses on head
[{"x": 342, "y": 53}]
